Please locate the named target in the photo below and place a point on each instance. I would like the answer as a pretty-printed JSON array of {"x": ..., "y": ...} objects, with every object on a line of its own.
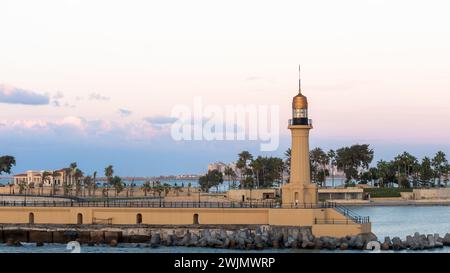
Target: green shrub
[{"x": 386, "y": 192}]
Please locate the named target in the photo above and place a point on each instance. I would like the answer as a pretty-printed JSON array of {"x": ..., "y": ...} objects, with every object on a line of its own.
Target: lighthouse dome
[{"x": 300, "y": 102}]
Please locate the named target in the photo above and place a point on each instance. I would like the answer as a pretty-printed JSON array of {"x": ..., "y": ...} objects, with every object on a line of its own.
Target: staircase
[{"x": 352, "y": 215}]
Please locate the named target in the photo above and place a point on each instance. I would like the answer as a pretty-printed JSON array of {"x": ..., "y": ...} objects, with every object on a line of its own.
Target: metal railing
[
  {"x": 352, "y": 215},
  {"x": 348, "y": 221},
  {"x": 291, "y": 122},
  {"x": 163, "y": 204}
]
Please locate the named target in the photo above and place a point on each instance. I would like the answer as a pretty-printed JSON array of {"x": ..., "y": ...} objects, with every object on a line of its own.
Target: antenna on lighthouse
[{"x": 299, "y": 81}]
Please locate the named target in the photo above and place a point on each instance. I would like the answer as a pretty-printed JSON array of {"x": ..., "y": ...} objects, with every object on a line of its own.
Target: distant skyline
[{"x": 95, "y": 81}]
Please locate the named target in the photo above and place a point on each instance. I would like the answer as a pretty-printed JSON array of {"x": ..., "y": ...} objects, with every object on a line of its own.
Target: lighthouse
[{"x": 299, "y": 191}]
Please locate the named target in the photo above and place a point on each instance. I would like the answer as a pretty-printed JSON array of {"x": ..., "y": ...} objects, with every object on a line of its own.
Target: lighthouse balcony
[{"x": 300, "y": 121}]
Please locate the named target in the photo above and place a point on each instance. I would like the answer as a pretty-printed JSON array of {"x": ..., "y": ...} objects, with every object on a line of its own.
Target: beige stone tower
[{"x": 299, "y": 191}]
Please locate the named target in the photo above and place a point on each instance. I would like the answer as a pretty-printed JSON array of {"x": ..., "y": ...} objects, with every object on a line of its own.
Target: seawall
[{"x": 323, "y": 221}]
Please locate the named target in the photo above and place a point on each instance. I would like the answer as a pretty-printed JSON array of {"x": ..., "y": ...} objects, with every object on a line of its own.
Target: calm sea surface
[{"x": 386, "y": 221}]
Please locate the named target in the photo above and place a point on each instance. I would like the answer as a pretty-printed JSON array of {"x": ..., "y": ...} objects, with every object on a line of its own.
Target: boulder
[
  {"x": 359, "y": 242},
  {"x": 12, "y": 242},
  {"x": 15, "y": 235},
  {"x": 343, "y": 246},
  {"x": 135, "y": 238},
  {"x": 71, "y": 235},
  {"x": 113, "y": 243},
  {"x": 39, "y": 244},
  {"x": 113, "y": 236},
  {"x": 446, "y": 240},
  {"x": 155, "y": 240},
  {"x": 186, "y": 239},
  {"x": 85, "y": 237},
  {"x": 397, "y": 243},
  {"x": 431, "y": 241},
  {"x": 42, "y": 236},
  {"x": 387, "y": 244},
  {"x": 194, "y": 240},
  {"x": 409, "y": 243},
  {"x": 98, "y": 237}
]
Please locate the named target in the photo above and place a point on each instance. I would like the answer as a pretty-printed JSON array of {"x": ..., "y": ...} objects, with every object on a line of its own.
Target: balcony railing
[
  {"x": 307, "y": 122},
  {"x": 163, "y": 204}
]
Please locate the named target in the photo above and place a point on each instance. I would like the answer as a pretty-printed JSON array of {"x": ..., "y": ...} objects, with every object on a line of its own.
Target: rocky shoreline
[{"x": 231, "y": 237}]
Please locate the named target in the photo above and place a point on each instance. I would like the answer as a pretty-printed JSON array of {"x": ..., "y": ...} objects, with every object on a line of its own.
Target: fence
[{"x": 162, "y": 204}]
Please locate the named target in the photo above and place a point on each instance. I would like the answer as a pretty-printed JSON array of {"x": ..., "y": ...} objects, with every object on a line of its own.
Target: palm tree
[
  {"x": 118, "y": 184},
  {"x": 44, "y": 177},
  {"x": 440, "y": 165},
  {"x": 189, "y": 188},
  {"x": 242, "y": 164},
  {"x": 94, "y": 178},
  {"x": 332, "y": 157},
  {"x": 54, "y": 175},
  {"x": 146, "y": 187},
  {"x": 67, "y": 186},
  {"x": 167, "y": 188},
  {"x": 89, "y": 183},
  {"x": 78, "y": 186},
  {"x": 256, "y": 166},
  {"x": 287, "y": 162},
  {"x": 229, "y": 172},
  {"x": 109, "y": 171},
  {"x": 177, "y": 189}
]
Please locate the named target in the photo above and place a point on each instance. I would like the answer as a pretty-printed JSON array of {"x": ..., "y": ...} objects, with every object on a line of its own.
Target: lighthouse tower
[{"x": 299, "y": 191}]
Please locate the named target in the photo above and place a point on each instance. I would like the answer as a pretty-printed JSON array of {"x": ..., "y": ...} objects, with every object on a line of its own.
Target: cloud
[
  {"x": 13, "y": 95},
  {"x": 253, "y": 78},
  {"x": 73, "y": 127},
  {"x": 97, "y": 96},
  {"x": 58, "y": 95},
  {"x": 124, "y": 112},
  {"x": 160, "y": 120}
]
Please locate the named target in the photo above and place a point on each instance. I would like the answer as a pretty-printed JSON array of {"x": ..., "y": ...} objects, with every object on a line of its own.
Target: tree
[
  {"x": 158, "y": 189},
  {"x": 266, "y": 171},
  {"x": 257, "y": 167},
  {"x": 426, "y": 172},
  {"x": 332, "y": 159},
  {"x": 67, "y": 186},
  {"x": 94, "y": 180},
  {"x": 319, "y": 165},
  {"x": 6, "y": 164},
  {"x": 386, "y": 173},
  {"x": 244, "y": 159},
  {"x": 78, "y": 174},
  {"x": 54, "y": 174},
  {"x": 229, "y": 172},
  {"x": 404, "y": 164},
  {"x": 88, "y": 182},
  {"x": 22, "y": 186},
  {"x": 45, "y": 176},
  {"x": 146, "y": 187},
  {"x": 354, "y": 160},
  {"x": 166, "y": 188},
  {"x": 211, "y": 179},
  {"x": 109, "y": 172},
  {"x": 440, "y": 165},
  {"x": 117, "y": 183},
  {"x": 177, "y": 189},
  {"x": 189, "y": 188},
  {"x": 287, "y": 162}
]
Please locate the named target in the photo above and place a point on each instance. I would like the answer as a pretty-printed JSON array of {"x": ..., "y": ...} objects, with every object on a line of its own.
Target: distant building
[
  {"x": 54, "y": 178},
  {"x": 220, "y": 166}
]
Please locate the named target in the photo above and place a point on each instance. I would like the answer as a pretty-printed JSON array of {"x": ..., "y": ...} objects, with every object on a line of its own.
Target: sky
[{"x": 96, "y": 81}]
